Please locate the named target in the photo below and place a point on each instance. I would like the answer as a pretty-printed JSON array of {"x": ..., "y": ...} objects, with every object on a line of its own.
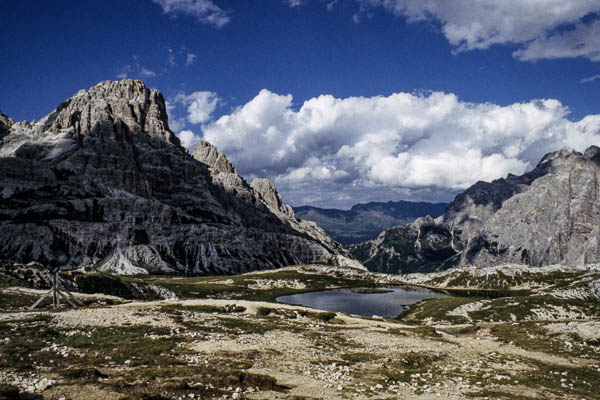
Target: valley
[
  {"x": 519, "y": 335},
  {"x": 179, "y": 262},
  {"x": 366, "y": 221}
]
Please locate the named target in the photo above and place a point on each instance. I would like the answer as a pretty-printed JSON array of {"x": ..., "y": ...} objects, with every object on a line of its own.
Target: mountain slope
[
  {"x": 550, "y": 215},
  {"x": 102, "y": 181},
  {"x": 366, "y": 221}
]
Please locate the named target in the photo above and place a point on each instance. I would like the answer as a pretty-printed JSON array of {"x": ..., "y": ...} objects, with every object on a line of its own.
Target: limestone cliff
[
  {"x": 550, "y": 215},
  {"x": 102, "y": 181},
  {"x": 262, "y": 192}
]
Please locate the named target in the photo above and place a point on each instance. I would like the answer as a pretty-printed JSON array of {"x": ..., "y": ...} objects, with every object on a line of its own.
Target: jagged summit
[
  {"x": 102, "y": 181},
  {"x": 111, "y": 110},
  {"x": 128, "y": 101},
  {"x": 209, "y": 155}
]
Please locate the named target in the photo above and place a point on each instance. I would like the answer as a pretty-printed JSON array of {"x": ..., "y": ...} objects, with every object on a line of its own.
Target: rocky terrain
[
  {"x": 366, "y": 221},
  {"x": 103, "y": 182},
  {"x": 225, "y": 338},
  {"x": 550, "y": 215}
]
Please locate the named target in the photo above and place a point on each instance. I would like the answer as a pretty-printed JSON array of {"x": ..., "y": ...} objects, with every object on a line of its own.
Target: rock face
[
  {"x": 103, "y": 182},
  {"x": 260, "y": 192},
  {"x": 366, "y": 221},
  {"x": 550, "y": 215},
  {"x": 5, "y": 124},
  {"x": 422, "y": 246}
]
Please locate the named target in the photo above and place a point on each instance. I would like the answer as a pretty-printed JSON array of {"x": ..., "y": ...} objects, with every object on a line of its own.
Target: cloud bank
[
  {"x": 337, "y": 152},
  {"x": 545, "y": 28}
]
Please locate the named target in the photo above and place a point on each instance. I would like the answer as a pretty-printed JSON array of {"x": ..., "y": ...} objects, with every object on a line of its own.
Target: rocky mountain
[
  {"x": 366, "y": 221},
  {"x": 550, "y": 215},
  {"x": 102, "y": 181},
  {"x": 5, "y": 124},
  {"x": 422, "y": 246}
]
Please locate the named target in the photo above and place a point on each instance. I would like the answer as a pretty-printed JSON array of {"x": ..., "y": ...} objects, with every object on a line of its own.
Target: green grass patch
[
  {"x": 559, "y": 381},
  {"x": 522, "y": 308},
  {"x": 436, "y": 310},
  {"x": 13, "y": 301},
  {"x": 533, "y": 336},
  {"x": 241, "y": 286},
  {"x": 403, "y": 365},
  {"x": 359, "y": 357},
  {"x": 498, "y": 395}
]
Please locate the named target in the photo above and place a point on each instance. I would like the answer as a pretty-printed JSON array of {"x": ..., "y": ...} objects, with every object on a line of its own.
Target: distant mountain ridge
[
  {"x": 367, "y": 220},
  {"x": 550, "y": 215}
]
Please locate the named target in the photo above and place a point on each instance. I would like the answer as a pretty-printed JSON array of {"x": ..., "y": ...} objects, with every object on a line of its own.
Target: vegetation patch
[
  {"x": 13, "y": 301},
  {"x": 9, "y": 392},
  {"x": 243, "y": 286},
  {"x": 533, "y": 336},
  {"x": 538, "y": 307},
  {"x": 436, "y": 310},
  {"x": 402, "y": 366}
]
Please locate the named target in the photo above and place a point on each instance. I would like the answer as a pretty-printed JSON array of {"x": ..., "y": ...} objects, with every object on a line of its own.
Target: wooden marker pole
[
  {"x": 57, "y": 291},
  {"x": 55, "y": 300}
]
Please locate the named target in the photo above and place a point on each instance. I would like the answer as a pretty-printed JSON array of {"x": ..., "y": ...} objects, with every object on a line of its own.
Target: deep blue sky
[
  {"x": 51, "y": 49},
  {"x": 397, "y": 142}
]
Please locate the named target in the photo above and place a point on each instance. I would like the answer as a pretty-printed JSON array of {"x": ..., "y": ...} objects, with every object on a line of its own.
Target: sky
[{"x": 337, "y": 102}]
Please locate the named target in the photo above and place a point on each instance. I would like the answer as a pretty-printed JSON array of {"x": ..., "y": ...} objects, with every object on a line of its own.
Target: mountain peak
[
  {"x": 108, "y": 108},
  {"x": 101, "y": 181}
]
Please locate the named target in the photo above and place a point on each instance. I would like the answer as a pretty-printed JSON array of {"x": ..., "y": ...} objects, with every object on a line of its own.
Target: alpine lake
[{"x": 382, "y": 302}]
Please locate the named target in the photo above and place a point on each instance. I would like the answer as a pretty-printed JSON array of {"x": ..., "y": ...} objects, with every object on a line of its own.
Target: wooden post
[
  {"x": 37, "y": 303},
  {"x": 57, "y": 291},
  {"x": 55, "y": 300},
  {"x": 64, "y": 296}
]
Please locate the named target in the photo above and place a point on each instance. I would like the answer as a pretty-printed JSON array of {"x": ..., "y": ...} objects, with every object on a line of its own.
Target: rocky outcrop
[
  {"x": 222, "y": 172},
  {"x": 103, "y": 182},
  {"x": 261, "y": 192},
  {"x": 266, "y": 191},
  {"x": 209, "y": 155},
  {"x": 422, "y": 246},
  {"x": 5, "y": 124},
  {"x": 550, "y": 215}
]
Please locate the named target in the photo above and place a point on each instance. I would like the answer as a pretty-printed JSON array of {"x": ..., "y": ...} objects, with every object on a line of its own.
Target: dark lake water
[{"x": 389, "y": 304}]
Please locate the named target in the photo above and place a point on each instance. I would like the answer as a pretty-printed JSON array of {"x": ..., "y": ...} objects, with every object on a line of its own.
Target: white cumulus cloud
[
  {"x": 188, "y": 139},
  {"x": 205, "y": 11},
  {"x": 409, "y": 145},
  {"x": 200, "y": 105},
  {"x": 479, "y": 24}
]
